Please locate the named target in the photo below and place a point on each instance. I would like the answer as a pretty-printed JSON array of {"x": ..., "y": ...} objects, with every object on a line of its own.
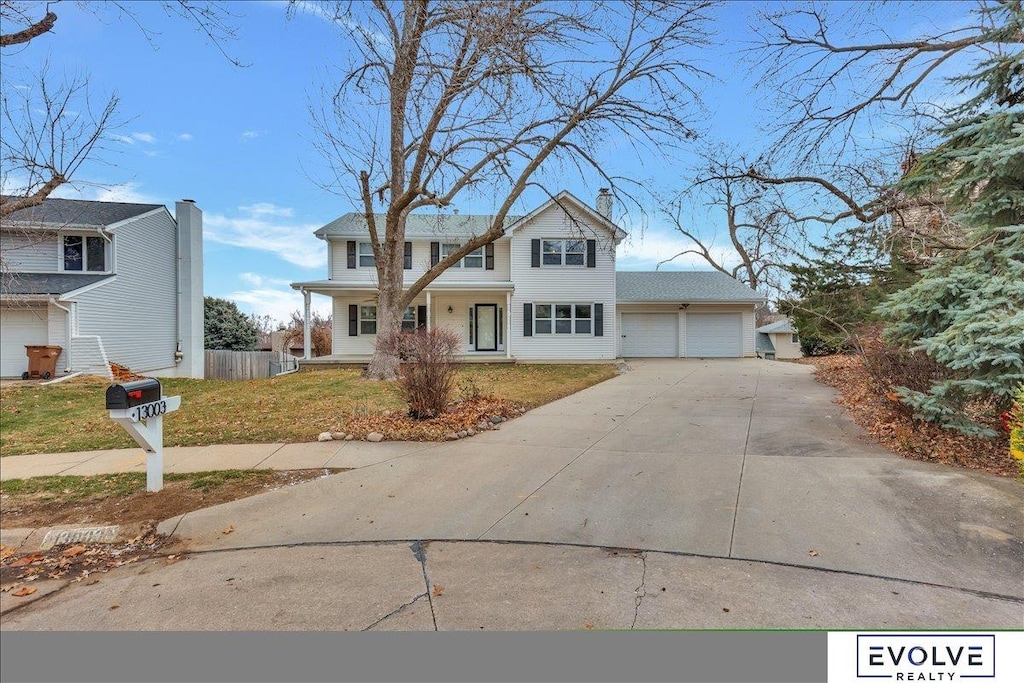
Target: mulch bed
[
  {"x": 892, "y": 427},
  {"x": 462, "y": 416}
]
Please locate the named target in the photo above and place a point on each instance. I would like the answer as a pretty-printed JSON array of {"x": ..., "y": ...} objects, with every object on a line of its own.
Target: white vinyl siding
[
  {"x": 29, "y": 252},
  {"x": 340, "y": 271},
  {"x": 562, "y": 285},
  {"x": 135, "y": 312},
  {"x": 714, "y": 335},
  {"x": 650, "y": 335}
]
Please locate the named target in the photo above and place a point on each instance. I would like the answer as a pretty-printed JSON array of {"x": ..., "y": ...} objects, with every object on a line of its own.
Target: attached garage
[
  {"x": 650, "y": 335},
  {"x": 714, "y": 335},
  {"x": 20, "y": 327}
]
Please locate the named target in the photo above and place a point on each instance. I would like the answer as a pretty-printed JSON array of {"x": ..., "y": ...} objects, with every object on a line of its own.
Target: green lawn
[{"x": 71, "y": 416}]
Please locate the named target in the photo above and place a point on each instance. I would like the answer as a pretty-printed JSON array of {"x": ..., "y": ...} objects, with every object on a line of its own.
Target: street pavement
[{"x": 681, "y": 494}]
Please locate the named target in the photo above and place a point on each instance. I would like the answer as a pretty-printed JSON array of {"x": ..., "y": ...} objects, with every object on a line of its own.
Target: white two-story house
[
  {"x": 106, "y": 282},
  {"x": 546, "y": 290}
]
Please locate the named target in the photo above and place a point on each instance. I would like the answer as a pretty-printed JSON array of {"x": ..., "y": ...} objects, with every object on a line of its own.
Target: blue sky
[{"x": 239, "y": 140}]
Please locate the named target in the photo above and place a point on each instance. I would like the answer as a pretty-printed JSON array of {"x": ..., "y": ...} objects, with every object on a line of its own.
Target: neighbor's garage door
[
  {"x": 714, "y": 335},
  {"x": 650, "y": 335},
  {"x": 18, "y": 327}
]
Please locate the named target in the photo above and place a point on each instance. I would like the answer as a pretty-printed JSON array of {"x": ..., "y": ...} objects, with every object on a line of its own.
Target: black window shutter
[
  {"x": 351, "y": 254},
  {"x": 489, "y": 256},
  {"x": 598, "y": 320},
  {"x": 528, "y": 319},
  {"x": 408, "y": 256},
  {"x": 353, "y": 320},
  {"x": 435, "y": 253},
  {"x": 535, "y": 253},
  {"x": 421, "y": 315},
  {"x": 591, "y": 253}
]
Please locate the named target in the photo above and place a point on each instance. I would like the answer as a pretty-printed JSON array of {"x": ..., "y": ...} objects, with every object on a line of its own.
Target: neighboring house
[
  {"x": 778, "y": 340},
  {"x": 107, "y": 282},
  {"x": 546, "y": 290}
]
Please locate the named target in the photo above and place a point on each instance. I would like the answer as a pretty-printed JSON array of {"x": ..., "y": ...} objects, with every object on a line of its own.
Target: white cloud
[
  {"x": 144, "y": 137},
  {"x": 251, "y": 134},
  {"x": 645, "y": 252},
  {"x": 122, "y": 192},
  {"x": 277, "y": 302},
  {"x": 259, "y": 227},
  {"x": 185, "y": 137},
  {"x": 132, "y": 138},
  {"x": 257, "y": 280}
]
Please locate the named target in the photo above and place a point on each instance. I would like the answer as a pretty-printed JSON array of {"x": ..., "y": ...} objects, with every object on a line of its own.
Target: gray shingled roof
[
  {"x": 764, "y": 343},
  {"x": 417, "y": 225},
  {"x": 46, "y": 283},
  {"x": 77, "y": 213},
  {"x": 682, "y": 286},
  {"x": 781, "y": 326}
]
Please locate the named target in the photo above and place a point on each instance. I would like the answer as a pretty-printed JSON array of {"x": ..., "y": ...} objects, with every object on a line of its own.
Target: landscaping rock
[
  {"x": 470, "y": 432},
  {"x": 374, "y": 437},
  {"x": 497, "y": 420},
  {"x": 452, "y": 437},
  {"x": 481, "y": 426},
  {"x": 463, "y": 435},
  {"x": 323, "y": 436},
  {"x": 350, "y": 437},
  {"x": 338, "y": 436}
]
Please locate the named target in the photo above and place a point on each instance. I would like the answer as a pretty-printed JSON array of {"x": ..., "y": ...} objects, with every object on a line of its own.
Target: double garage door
[
  {"x": 20, "y": 326},
  {"x": 656, "y": 335}
]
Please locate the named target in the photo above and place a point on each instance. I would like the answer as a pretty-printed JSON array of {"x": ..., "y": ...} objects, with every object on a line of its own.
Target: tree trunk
[{"x": 389, "y": 316}]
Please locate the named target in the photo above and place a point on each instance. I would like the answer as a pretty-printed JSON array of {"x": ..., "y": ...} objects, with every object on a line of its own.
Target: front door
[{"x": 487, "y": 327}]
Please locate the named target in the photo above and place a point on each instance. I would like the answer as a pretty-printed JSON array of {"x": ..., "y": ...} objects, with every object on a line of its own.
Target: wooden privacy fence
[{"x": 221, "y": 364}]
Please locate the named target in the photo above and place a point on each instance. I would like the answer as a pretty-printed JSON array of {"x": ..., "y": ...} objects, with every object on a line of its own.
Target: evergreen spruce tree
[
  {"x": 226, "y": 327},
  {"x": 967, "y": 311}
]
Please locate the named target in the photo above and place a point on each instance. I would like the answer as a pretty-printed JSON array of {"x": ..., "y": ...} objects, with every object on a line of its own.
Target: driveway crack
[
  {"x": 419, "y": 551},
  {"x": 640, "y": 591},
  {"x": 743, "y": 462},
  {"x": 399, "y": 609}
]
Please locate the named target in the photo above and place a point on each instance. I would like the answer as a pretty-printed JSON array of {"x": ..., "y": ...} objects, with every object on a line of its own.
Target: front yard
[{"x": 294, "y": 408}]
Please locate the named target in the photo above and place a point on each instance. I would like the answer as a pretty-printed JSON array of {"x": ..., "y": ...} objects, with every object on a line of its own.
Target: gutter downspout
[
  {"x": 306, "y": 333},
  {"x": 69, "y": 328}
]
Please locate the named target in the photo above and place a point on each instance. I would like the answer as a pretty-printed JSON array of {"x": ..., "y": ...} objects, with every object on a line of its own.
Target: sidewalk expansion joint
[
  {"x": 641, "y": 590},
  {"x": 419, "y": 551}
]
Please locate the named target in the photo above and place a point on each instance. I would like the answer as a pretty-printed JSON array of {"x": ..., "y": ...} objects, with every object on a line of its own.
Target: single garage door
[
  {"x": 18, "y": 327},
  {"x": 714, "y": 335},
  {"x": 650, "y": 335}
]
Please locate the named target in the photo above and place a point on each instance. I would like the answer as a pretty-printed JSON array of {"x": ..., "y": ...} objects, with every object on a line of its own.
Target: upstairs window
[
  {"x": 366, "y": 259},
  {"x": 474, "y": 259},
  {"x": 564, "y": 252},
  {"x": 85, "y": 253}
]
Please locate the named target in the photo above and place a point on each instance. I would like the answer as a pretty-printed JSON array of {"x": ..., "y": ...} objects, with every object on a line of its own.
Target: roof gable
[
  {"x": 566, "y": 201},
  {"x": 78, "y": 213},
  {"x": 784, "y": 326}
]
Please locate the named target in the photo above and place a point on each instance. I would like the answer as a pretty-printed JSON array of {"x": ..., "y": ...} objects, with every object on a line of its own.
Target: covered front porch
[{"x": 478, "y": 312}]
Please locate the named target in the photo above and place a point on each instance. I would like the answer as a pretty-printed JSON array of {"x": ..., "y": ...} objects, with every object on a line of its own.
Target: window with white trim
[
  {"x": 409, "y": 319},
  {"x": 563, "y": 252},
  {"x": 795, "y": 339},
  {"x": 366, "y": 258},
  {"x": 85, "y": 253},
  {"x": 563, "y": 319},
  {"x": 474, "y": 259},
  {"x": 367, "y": 320}
]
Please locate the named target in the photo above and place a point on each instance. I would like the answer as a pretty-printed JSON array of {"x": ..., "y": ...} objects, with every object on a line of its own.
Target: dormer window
[{"x": 85, "y": 253}]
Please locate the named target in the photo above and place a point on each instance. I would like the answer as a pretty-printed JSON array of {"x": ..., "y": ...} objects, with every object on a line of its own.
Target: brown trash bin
[{"x": 42, "y": 361}]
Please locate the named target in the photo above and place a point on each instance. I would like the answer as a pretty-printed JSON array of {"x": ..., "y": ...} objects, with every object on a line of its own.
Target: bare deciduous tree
[{"x": 443, "y": 99}]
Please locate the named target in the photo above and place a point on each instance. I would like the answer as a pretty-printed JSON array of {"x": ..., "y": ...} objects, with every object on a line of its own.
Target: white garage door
[
  {"x": 714, "y": 335},
  {"x": 18, "y": 327},
  {"x": 650, "y": 335}
]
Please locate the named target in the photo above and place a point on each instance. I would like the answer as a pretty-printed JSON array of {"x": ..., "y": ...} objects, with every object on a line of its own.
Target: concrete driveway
[{"x": 726, "y": 475}]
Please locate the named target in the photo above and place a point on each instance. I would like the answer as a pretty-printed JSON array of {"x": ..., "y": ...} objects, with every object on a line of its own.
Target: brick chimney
[
  {"x": 604, "y": 203},
  {"x": 191, "y": 348}
]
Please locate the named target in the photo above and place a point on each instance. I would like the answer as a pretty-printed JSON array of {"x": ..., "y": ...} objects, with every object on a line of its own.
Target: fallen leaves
[
  {"x": 77, "y": 562},
  {"x": 228, "y": 529},
  {"x": 74, "y": 551},
  {"x": 462, "y": 416},
  {"x": 23, "y": 591},
  {"x": 813, "y": 553},
  {"x": 873, "y": 408},
  {"x": 438, "y": 589}
]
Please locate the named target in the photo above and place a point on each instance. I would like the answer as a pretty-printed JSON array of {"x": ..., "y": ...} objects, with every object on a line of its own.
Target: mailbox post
[{"x": 139, "y": 407}]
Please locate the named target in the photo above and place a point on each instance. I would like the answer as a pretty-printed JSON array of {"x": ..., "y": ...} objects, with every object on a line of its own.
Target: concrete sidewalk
[{"x": 266, "y": 456}]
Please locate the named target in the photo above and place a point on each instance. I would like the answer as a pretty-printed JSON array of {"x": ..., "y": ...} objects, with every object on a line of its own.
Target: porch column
[
  {"x": 305, "y": 326},
  {"x": 428, "y": 312},
  {"x": 508, "y": 325}
]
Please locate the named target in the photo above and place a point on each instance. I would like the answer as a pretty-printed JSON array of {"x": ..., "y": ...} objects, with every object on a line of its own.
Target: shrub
[
  {"x": 429, "y": 361},
  {"x": 1016, "y": 424}
]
